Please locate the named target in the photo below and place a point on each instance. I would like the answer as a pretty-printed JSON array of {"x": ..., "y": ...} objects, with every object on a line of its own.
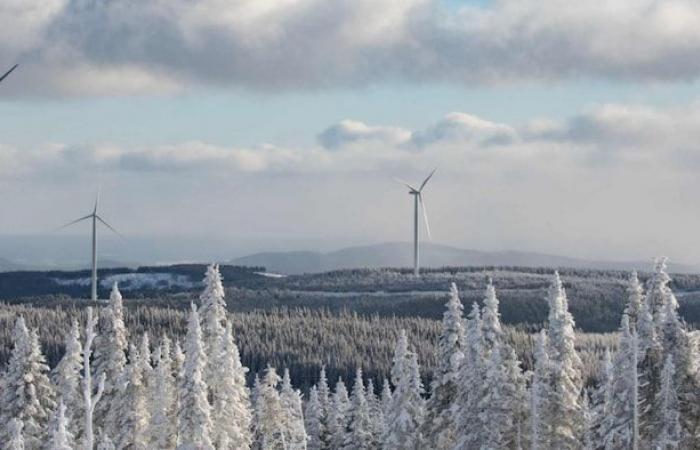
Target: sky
[{"x": 280, "y": 124}]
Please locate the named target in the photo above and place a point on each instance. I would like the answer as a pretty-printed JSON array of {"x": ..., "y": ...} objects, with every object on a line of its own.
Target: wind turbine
[
  {"x": 95, "y": 217},
  {"x": 418, "y": 198},
  {"x": 8, "y": 72}
]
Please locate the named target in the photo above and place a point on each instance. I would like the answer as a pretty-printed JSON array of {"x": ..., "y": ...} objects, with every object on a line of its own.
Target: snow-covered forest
[{"x": 114, "y": 389}]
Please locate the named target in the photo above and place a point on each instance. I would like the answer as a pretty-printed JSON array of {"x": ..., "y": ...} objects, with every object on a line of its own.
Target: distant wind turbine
[
  {"x": 418, "y": 198},
  {"x": 95, "y": 217},
  {"x": 8, "y": 72}
]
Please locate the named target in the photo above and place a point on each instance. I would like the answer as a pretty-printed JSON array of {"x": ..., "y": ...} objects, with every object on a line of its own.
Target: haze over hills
[{"x": 399, "y": 254}]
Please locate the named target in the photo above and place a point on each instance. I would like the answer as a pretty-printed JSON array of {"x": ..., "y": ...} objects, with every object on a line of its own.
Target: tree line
[{"x": 109, "y": 391}]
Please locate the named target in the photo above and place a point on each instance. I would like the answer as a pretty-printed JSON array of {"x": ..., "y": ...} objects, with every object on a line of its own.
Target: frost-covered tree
[
  {"x": 562, "y": 408},
  {"x": 324, "y": 398},
  {"x": 539, "y": 393},
  {"x": 213, "y": 315},
  {"x": 602, "y": 399},
  {"x": 496, "y": 415},
  {"x": 26, "y": 394},
  {"x": 110, "y": 358},
  {"x": 194, "y": 411},
  {"x": 162, "y": 400},
  {"x": 491, "y": 320},
  {"x": 270, "y": 417},
  {"x": 312, "y": 420},
  {"x": 376, "y": 411},
  {"x": 295, "y": 433},
  {"x": 635, "y": 299},
  {"x": 359, "y": 435},
  {"x": 658, "y": 291},
  {"x": 231, "y": 409},
  {"x": 60, "y": 437},
  {"x": 588, "y": 442},
  {"x": 386, "y": 399},
  {"x": 620, "y": 427},
  {"x": 439, "y": 428},
  {"x": 91, "y": 396},
  {"x": 515, "y": 392},
  {"x": 408, "y": 409},
  {"x": 66, "y": 377},
  {"x": 339, "y": 415},
  {"x": 650, "y": 362},
  {"x": 669, "y": 431},
  {"x": 132, "y": 419},
  {"x": 470, "y": 385},
  {"x": 15, "y": 436}
]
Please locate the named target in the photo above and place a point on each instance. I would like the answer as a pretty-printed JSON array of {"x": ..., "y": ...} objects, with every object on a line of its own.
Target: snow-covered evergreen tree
[
  {"x": 270, "y": 417},
  {"x": 312, "y": 420},
  {"x": 669, "y": 431},
  {"x": 386, "y": 400},
  {"x": 60, "y": 437},
  {"x": 496, "y": 415},
  {"x": 339, "y": 416},
  {"x": 295, "y": 433},
  {"x": 408, "y": 409},
  {"x": 439, "y": 428},
  {"x": 15, "y": 436},
  {"x": 133, "y": 418},
  {"x": 470, "y": 385},
  {"x": 620, "y": 426},
  {"x": 635, "y": 299},
  {"x": 602, "y": 399},
  {"x": 66, "y": 378},
  {"x": 194, "y": 413},
  {"x": 658, "y": 291},
  {"x": 110, "y": 358},
  {"x": 324, "y": 398},
  {"x": 538, "y": 393},
  {"x": 231, "y": 410},
  {"x": 213, "y": 316},
  {"x": 162, "y": 401},
  {"x": 562, "y": 409},
  {"x": 359, "y": 435},
  {"x": 376, "y": 411},
  {"x": 27, "y": 393},
  {"x": 491, "y": 320},
  {"x": 91, "y": 396}
]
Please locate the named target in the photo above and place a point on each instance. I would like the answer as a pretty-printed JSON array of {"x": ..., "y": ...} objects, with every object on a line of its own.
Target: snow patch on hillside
[{"x": 133, "y": 281}]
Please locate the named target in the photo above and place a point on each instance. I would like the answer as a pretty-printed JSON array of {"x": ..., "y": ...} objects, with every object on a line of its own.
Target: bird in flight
[{"x": 8, "y": 72}]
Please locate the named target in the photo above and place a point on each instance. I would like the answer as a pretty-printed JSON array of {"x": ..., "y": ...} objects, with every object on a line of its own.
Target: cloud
[
  {"x": 605, "y": 135},
  {"x": 104, "y": 47},
  {"x": 349, "y": 132}
]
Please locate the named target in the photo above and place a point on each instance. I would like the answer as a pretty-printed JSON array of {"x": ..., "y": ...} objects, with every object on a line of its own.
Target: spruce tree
[
  {"x": 66, "y": 377},
  {"x": 231, "y": 410},
  {"x": 324, "y": 398},
  {"x": 312, "y": 420},
  {"x": 404, "y": 421},
  {"x": 194, "y": 411},
  {"x": 15, "y": 436},
  {"x": 161, "y": 394},
  {"x": 270, "y": 417},
  {"x": 26, "y": 394},
  {"x": 470, "y": 386},
  {"x": 339, "y": 416},
  {"x": 295, "y": 433},
  {"x": 635, "y": 299},
  {"x": 538, "y": 394},
  {"x": 60, "y": 437},
  {"x": 110, "y": 359},
  {"x": 359, "y": 436},
  {"x": 669, "y": 431},
  {"x": 439, "y": 428},
  {"x": 132, "y": 419},
  {"x": 562, "y": 408}
]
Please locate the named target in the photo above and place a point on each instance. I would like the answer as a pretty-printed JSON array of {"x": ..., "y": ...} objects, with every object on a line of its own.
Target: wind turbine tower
[
  {"x": 95, "y": 218},
  {"x": 418, "y": 202}
]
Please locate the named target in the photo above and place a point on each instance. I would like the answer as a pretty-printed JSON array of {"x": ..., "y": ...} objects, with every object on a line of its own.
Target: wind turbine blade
[
  {"x": 110, "y": 227},
  {"x": 97, "y": 199},
  {"x": 426, "y": 180},
  {"x": 8, "y": 72},
  {"x": 75, "y": 221},
  {"x": 425, "y": 215},
  {"x": 405, "y": 184}
]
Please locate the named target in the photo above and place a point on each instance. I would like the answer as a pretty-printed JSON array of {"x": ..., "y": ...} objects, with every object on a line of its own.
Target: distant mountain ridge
[{"x": 400, "y": 254}]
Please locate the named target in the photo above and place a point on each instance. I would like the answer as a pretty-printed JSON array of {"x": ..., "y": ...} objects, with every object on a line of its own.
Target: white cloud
[
  {"x": 101, "y": 47},
  {"x": 349, "y": 132}
]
